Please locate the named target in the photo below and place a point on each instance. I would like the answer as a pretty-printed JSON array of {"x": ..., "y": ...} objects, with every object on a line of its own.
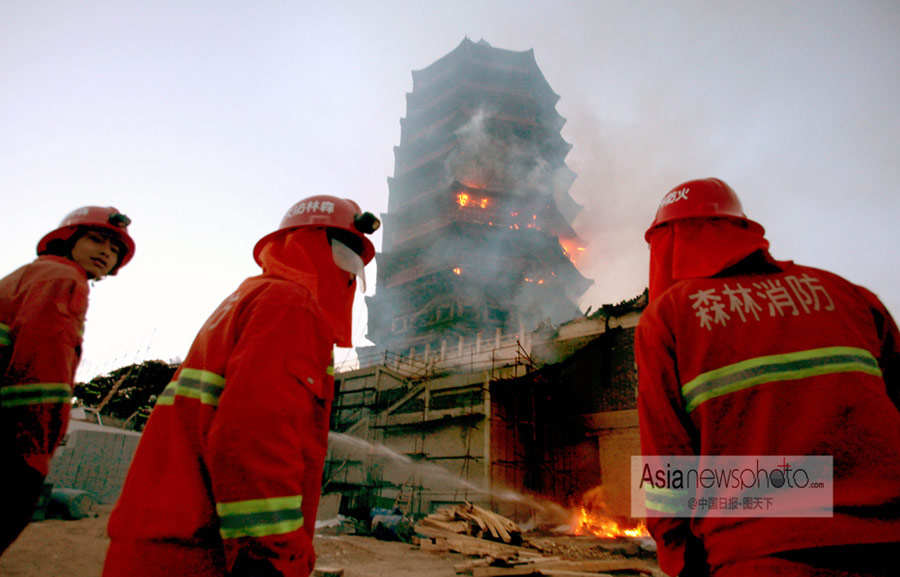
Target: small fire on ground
[
  {"x": 600, "y": 526},
  {"x": 593, "y": 518}
]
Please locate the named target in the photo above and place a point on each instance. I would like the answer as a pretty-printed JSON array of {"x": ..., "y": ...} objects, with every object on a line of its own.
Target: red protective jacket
[
  {"x": 231, "y": 459},
  {"x": 42, "y": 309},
  {"x": 805, "y": 402}
]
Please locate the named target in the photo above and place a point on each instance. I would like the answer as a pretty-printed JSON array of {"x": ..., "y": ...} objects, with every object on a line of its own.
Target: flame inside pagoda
[
  {"x": 466, "y": 200},
  {"x": 572, "y": 249}
]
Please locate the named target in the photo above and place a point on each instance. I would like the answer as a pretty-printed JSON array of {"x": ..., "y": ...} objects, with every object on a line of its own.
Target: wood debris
[
  {"x": 474, "y": 521},
  {"x": 438, "y": 540},
  {"x": 477, "y": 532},
  {"x": 557, "y": 567}
]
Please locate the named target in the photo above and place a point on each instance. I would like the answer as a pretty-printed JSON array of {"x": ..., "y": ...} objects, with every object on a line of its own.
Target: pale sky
[{"x": 205, "y": 121}]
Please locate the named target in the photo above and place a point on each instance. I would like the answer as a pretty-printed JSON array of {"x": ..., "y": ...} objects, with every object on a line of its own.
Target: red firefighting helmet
[
  {"x": 705, "y": 198},
  {"x": 106, "y": 218},
  {"x": 328, "y": 212}
]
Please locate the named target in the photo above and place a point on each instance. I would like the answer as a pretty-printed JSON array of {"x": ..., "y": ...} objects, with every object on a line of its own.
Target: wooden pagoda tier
[{"x": 478, "y": 234}]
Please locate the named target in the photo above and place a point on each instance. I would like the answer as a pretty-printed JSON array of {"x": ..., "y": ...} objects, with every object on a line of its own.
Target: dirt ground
[{"x": 56, "y": 547}]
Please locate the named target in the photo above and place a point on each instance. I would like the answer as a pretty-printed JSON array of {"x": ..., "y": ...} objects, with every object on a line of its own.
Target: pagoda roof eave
[{"x": 522, "y": 60}]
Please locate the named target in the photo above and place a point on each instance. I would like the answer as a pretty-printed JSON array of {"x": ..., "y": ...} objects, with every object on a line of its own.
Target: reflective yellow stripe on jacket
[
  {"x": 5, "y": 337},
  {"x": 35, "y": 394},
  {"x": 671, "y": 501},
  {"x": 260, "y": 517},
  {"x": 204, "y": 386},
  {"x": 785, "y": 367}
]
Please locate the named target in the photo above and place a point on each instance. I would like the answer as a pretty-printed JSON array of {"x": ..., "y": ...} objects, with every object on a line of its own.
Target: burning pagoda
[{"x": 478, "y": 236}]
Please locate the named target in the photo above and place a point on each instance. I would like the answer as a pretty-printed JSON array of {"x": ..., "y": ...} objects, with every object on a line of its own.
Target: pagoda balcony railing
[
  {"x": 462, "y": 265},
  {"x": 482, "y": 216},
  {"x": 482, "y": 351},
  {"x": 406, "y": 233},
  {"x": 409, "y": 274},
  {"x": 417, "y": 105},
  {"x": 417, "y": 128},
  {"x": 405, "y": 166}
]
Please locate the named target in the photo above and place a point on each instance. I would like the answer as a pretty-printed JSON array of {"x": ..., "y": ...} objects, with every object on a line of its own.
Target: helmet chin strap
[{"x": 348, "y": 260}]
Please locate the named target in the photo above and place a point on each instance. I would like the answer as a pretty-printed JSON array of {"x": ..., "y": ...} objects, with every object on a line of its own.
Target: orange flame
[
  {"x": 599, "y": 526},
  {"x": 572, "y": 249},
  {"x": 463, "y": 199},
  {"x": 595, "y": 517}
]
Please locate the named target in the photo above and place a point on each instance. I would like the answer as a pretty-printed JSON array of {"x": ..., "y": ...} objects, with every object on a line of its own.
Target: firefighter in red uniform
[
  {"x": 227, "y": 477},
  {"x": 42, "y": 311},
  {"x": 740, "y": 354}
]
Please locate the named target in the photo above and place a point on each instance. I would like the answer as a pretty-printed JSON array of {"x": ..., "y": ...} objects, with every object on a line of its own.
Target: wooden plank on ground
[
  {"x": 466, "y": 545},
  {"x": 503, "y": 547},
  {"x": 555, "y": 567},
  {"x": 598, "y": 566},
  {"x": 612, "y": 565},
  {"x": 501, "y": 571},
  {"x": 517, "y": 559},
  {"x": 487, "y": 521},
  {"x": 437, "y": 540},
  {"x": 574, "y": 574},
  {"x": 449, "y": 526}
]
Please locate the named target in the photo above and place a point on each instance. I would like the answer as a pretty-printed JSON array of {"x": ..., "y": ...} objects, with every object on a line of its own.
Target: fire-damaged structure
[
  {"x": 478, "y": 235},
  {"x": 485, "y": 383}
]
